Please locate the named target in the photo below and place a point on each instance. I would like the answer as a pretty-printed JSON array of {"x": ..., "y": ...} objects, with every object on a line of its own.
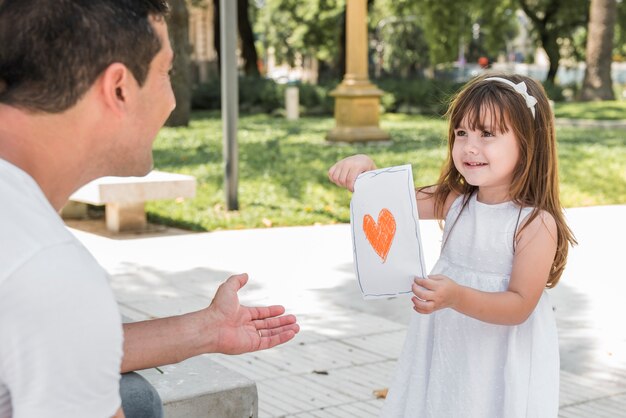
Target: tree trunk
[
  {"x": 217, "y": 34},
  {"x": 248, "y": 49},
  {"x": 546, "y": 37},
  {"x": 597, "y": 84},
  {"x": 341, "y": 61},
  {"x": 550, "y": 45},
  {"x": 178, "y": 23}
]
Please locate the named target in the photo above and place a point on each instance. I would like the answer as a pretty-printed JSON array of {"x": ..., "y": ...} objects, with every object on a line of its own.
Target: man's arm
[{"x": 223, "y": 327}]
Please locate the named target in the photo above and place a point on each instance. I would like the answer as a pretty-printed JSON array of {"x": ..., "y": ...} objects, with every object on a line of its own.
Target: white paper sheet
[{"x": 385, "y": 232}]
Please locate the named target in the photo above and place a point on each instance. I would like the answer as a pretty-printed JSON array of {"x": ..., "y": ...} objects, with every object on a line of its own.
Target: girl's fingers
[
  {"x": 423, "y": 306},
  {"x": 336, "y": 175},
  {"x": 331, "y": 173},
  {"x": 422, "y": 293},
  {"x": 350, "y": 179},
  {"x": 425, "y": 282}
]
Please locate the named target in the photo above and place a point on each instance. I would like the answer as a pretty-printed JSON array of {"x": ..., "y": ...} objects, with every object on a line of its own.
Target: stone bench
[
  {"x": 124, "y": 197},
  {"x": 200, "y": 387}
]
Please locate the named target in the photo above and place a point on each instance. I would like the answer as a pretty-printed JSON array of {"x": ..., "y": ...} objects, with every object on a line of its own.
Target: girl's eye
[
  {"x": 487, "y": 134},
  {"x": 460, "y": 132}
]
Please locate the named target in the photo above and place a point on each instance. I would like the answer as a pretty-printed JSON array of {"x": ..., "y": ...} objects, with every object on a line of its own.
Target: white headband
[{"x": 521, "y": 89}]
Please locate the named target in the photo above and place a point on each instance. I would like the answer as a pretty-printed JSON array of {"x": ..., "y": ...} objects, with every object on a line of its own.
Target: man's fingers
[
  {"x": 273, "y": 336},
  {"x": 269, "y": 332},
  {"x": 274, "y": 322},
  {"x": 265, "y": 312},
  {"x": 275, "y": 340},
  {"x": 237, "y": 281}
]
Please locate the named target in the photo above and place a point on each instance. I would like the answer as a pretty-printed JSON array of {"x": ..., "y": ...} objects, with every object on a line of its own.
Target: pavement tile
[{"x": 356, "y": 342}]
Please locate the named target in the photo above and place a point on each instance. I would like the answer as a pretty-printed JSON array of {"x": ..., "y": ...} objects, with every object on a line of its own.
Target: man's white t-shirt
[{"x": 60, "y": 328}]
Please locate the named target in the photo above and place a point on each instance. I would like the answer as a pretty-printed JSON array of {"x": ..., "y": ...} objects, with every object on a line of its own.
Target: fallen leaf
[{"x": 381, "y": 393}]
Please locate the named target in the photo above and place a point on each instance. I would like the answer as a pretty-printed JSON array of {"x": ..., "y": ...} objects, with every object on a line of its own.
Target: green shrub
[
  {"x": 554, "y": 91},
  {"x": 206, "y": 96},
  {"x": 316, "y": 100},
  {"x": 261, "y": 95},
  {"x": 417, "y": 96}
]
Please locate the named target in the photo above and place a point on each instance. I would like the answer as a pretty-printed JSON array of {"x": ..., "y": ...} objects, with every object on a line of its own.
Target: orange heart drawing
[{"x": 380, "y": 235}]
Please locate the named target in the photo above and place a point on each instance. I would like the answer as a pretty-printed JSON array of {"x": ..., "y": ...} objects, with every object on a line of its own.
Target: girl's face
[{"x": 486, "y": 158}]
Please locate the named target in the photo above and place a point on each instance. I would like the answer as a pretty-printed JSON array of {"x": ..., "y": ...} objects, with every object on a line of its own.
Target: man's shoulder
[
  {"x": 27, "y": 221},
  {"x": 64, "y": 326}
]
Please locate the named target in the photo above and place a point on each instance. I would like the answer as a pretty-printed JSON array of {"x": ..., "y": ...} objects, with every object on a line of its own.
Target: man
[{"x": 84, "y": 88}]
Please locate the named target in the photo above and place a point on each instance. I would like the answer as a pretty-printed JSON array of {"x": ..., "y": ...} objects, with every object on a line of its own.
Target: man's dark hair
[{"x": 52, "y": 51}]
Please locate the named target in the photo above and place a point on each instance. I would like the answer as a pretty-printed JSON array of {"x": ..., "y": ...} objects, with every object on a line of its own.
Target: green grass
[
  {"x": 608, "y": 110},
  {"x": 283, "y": 168}
]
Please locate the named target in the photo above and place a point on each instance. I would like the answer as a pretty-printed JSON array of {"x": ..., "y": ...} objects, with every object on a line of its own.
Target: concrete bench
[
  {"x": 199, "y": 387},
  {"x": 124, "y": 197}
]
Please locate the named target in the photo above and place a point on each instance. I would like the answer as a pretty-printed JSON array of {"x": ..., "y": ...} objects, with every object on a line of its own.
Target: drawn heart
[{"x": 380, "y": 235}]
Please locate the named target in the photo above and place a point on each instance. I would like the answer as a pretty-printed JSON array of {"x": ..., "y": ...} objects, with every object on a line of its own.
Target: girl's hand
[
  {"x": 434, "y": 292},
  {"x": 345, "y": 172}
]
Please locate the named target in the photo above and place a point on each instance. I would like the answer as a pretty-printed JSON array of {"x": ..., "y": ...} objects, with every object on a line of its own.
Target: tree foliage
[
  {"x": 295, "y": 27},
  {"x": 410, "y": 35},
  {"x": 553, "y": 21},
  {"x": 446, "y": 26},
  {"x": 400, "y": 46}
]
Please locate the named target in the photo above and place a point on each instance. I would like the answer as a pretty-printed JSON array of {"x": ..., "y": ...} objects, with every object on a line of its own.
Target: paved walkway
[
  {"x": 348, "y": 347},
  {"x": 591, "y": 123}
]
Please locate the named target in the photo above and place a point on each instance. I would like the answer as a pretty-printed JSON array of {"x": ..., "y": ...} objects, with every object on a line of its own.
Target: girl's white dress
[{"x": 456, "y": 366}]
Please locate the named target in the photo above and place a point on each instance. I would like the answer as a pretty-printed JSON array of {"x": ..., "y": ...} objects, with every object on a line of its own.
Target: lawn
[
  {"x": 283, "y": 166},
  {"x": 607, "y": 110}
]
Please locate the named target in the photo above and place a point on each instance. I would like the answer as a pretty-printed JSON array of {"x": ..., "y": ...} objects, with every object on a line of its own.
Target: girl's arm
[
  {"x": 426, "y": 203},
  {"x": 533, "y": 259},
  {"x": 345, "y": 172}
]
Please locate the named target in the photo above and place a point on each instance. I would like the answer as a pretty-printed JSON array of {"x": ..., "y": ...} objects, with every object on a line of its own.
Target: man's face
[{"x": 155, "y": 101}]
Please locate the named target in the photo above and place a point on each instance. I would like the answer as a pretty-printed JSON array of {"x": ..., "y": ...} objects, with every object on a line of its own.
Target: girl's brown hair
[{"x": 535, "y": 180}]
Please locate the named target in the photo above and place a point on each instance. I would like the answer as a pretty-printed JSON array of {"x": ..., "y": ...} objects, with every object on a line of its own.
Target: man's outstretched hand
[
  {"x": 241, "y": 329},
  {"x": 223, "y": 327}
]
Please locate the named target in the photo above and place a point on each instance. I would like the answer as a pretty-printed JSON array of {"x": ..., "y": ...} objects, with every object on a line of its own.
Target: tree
[
  {"x": 619, "y": 42},
  {"x": 597, "y": 84},
  {"x": 248, "y": 49},
  {"x": 178, "y": 22},
  {"x": 304, "y": 28},
  {"x": 401, "y": 47},
  {"x": 246, "y": 35},
  {"x": 554, "y": 20},
  {"x": 446, "y": 26}
]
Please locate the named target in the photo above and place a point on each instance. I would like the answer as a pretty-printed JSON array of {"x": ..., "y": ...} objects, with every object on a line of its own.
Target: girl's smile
[{"x": 472, "y": 164}]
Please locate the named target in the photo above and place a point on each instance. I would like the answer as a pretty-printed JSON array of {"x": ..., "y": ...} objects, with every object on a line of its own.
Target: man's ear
[{"x": 117, "y": 84}]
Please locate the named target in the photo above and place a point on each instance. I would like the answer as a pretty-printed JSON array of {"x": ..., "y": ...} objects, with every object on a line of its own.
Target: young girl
[{"x": 484, "y": 343}]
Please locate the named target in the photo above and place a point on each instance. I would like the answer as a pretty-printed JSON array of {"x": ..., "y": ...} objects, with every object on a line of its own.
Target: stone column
[{"x": 357, "y": 100}]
